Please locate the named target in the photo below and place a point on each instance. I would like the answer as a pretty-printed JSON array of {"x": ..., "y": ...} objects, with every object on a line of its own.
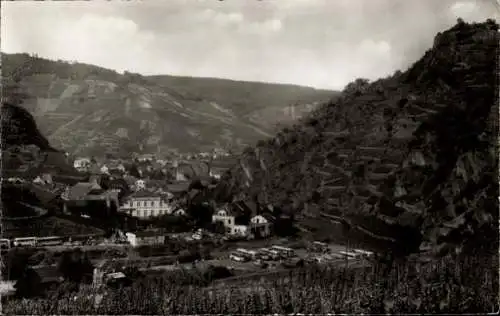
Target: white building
[
  {"x": 225, "y": 216},
  {"x": 215, "y": 175},
  {"x": 81, "y": 164},
  {"x": 104, "y": 169},
  {"x": 180, "y": 212},
  {"x": 240, "y": 230},
  {"x": 43, "y": 179},
  {"x": 140, "y": 184},
  {"x": 260, "y": 225},
  {"x": 240, "y": 225},
  {"x": 144, "y": 204},
  {"x": 145, "y": 238}
]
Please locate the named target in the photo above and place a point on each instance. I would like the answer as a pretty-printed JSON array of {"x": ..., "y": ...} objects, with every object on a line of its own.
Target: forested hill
[{"x": 411, "y": 158}]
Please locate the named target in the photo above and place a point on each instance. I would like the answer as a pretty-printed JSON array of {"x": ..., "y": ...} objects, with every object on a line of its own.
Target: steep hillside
[
  {"x": 18, "y": 127},
  {"x": 25, "y": 150},
  {"x": 408, "y": 160},
  {"x": 260, "y": 103},
  {"x": 86, "y": 109},
  {"x": 29, "y": 210}
]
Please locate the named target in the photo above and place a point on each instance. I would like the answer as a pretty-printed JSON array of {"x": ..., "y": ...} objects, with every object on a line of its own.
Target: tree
[
  {"x": 133, "y": 170},
  {"x": 218, "y": 228},
  {"x": 75, "y": 266},
  {"x": 196, "y": 185},
  {"x": 201, "y": 214},
  {"x": 16, "y": 261}
]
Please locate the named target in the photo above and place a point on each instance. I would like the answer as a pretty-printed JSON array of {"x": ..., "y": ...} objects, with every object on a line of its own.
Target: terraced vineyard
[{"x": 400, "y": 158}]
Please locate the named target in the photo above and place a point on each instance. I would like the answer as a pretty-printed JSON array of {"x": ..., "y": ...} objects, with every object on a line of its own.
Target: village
[{"x": 155, "y": 218}]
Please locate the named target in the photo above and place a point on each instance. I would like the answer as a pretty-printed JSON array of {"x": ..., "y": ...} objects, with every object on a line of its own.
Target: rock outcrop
[{"x": 410, "y": 158}]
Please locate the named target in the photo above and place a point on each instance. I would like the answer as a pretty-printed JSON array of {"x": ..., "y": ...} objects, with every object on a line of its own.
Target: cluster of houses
[
  {"x": 147, "y": 166},
  {"x": 244, "y": 220},
  {"x": 112, "y": 188}
]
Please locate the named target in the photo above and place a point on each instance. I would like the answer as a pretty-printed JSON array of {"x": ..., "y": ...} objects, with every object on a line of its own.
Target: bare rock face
[{"x": 412, "y": 157}]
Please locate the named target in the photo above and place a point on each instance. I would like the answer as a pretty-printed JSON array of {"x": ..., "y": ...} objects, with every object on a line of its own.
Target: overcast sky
[{"x": 319, "y": 43}]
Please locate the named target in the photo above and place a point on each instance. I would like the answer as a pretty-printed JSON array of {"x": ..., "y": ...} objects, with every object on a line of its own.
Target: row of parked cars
[
  {"x": 324, "y": 254},
  {"x": 262, "y": 256}
]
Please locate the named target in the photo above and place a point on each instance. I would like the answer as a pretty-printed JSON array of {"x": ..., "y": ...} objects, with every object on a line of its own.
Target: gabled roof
[
  {"x": 245, "y": 207},
  {"x": 269, "y": 217},
  {"x": 148, "y": 233},
  {"x": 241, "y": 216},
  {"x": 219, "y": 170},
  {"x": 81, "y": 190},
  {"x": 48, "y": 274},
  {"x": 178, "y": 187},
  {"x": 144, "y": 194},
  {"x": 95, "y": 177},
  {"x": 130, "y": 179}
]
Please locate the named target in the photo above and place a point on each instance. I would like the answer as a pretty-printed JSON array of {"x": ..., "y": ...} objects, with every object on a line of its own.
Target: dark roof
[
  {"x": 225, "y": 162},
  {"x": 241, "y": 217},
  {"x": 148, "y": 233},
  {"x": 269, "y": 217},
  {"x": 96, "y": 178},
  {"x": 251, "y": 206},
  {"x": 42, "y": 194},
  {"x": 80, "y": 190},
  {"x": 94, "y": 169},
  {"x": 219, "y": 170},
  {"x": 245, "y": 207},
  {"x": 48, "y": 274},
  {"x": 144, "y": 194},
  {"x": 178, "y": 187},
  {"x": 130, "y": 179},
  {"x": 193, "y": 194}
]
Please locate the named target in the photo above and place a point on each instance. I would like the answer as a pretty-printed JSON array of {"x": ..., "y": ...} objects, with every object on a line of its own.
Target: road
[{"x": 101, "y": 247}]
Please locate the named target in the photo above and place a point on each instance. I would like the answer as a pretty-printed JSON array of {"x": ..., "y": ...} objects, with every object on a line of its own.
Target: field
[{"x": 466, "y": 285}]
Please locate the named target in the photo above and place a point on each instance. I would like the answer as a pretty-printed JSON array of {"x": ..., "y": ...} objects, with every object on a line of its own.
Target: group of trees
[{"x": 74, "y": 266}]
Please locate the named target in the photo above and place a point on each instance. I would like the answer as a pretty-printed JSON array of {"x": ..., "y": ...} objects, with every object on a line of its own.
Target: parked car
[
  {"x": 265, "y": 257},
  {"x": 238, "y": 258}
]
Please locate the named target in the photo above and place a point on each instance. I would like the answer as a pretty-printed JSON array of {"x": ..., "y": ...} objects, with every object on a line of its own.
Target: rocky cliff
[{"x": 410, "y": 159}]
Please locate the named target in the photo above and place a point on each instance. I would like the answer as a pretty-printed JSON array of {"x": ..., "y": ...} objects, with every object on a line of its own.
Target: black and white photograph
[{"x": 249, "y": 157}]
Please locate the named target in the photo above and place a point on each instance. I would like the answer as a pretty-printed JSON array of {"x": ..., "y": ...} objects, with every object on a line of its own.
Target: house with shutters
[{"x": 145, "y": 204}]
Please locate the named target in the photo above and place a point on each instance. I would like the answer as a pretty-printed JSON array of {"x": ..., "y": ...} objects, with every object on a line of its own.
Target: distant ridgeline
[
  {"x": 91, "y": 111},
  {"x": 410, "y": 158}
]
